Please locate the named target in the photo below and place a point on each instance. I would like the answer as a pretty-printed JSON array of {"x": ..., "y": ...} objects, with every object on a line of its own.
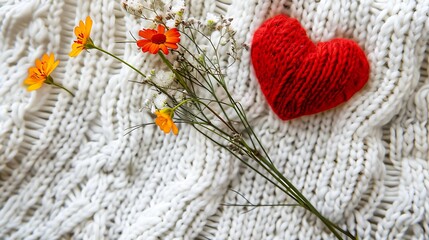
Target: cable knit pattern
[{"x": 68, "y": 170}]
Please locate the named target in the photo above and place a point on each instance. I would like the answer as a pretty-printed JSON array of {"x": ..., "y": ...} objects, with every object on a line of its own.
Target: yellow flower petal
[
  {"x": 34, "y": 86},
  {"x": 39, "y": 64},
  {"x": 81, "y": 26},
  {"x": 31, "y": 81},
  {"x": 88, "y": 26},
  {"x": 77, "y": 31},
  {"x": 76, "y": 49},
  {"x": 175, "y": 129},
  {"x": 32, "y": 70},
  {"x": 51, "y": 64}
]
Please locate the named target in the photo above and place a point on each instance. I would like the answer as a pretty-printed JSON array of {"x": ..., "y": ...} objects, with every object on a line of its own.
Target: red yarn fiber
[{"x": 299, "y": 77}]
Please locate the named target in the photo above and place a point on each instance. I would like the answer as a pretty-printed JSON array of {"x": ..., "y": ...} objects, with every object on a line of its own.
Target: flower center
[{"x": 159, "y": 38}]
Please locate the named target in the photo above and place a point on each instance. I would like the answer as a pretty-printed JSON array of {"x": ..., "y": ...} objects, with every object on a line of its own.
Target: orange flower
[
  {"x": 158, "y": 40},
  {"x": 41, "y": 72},
  {"x": 165, "y": 122},
  {"x": 83, "y": 40}
]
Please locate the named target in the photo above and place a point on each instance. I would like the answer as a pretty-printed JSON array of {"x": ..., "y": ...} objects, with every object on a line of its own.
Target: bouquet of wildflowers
[{"x": 191, "y": 87}]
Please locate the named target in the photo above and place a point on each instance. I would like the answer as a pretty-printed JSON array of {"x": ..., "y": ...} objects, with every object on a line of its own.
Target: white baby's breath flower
[
  {"x": 148, "y": 24},
  {"x": 210, "y": 23},
  {"x": 192, "y": 20},
  {"x": 171, "y": 23},
  {"x": 152, "y": 93},
  {"x": 153, "y": 109},
  {"x": 179, "y": 96},
  {"x": 160, "y": 101},
  {"x": 163, "y": 78},
  {"x": 204, "y": 47},
  {"x": 177, "y": 6},
  {"x": 147, "y": 102},
  {"x": 157, "y": 4},
  {"x": 134, "y": 7},
  {"x": 211, "y": 20}
]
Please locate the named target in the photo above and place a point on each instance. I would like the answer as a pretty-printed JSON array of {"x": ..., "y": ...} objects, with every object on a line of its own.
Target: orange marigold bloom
[
  {"x": 83, "y": 40},
  {"x": 158, "y": 40},
  {"x": 165, "y": 122},
  {"x": 41, "y": 72}
]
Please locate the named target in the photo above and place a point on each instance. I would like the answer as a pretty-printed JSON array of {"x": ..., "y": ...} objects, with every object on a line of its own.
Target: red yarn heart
[{"x": 299, "y": 77}]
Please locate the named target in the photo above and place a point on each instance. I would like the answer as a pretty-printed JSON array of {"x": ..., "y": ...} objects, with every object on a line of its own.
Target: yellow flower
[
  {"x": 41, "y": 72},
  {"x": 83, "y": 40},
  {"x": 165, "y": 122}
]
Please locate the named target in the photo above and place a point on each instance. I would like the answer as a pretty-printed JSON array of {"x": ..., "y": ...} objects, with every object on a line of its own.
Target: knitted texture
[
  {"x": 300, "y": 78},
  {"x": 69, "y": 170}
]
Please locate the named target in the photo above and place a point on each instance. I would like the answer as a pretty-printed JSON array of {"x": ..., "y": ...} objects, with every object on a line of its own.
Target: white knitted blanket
[{"x": 68, "y": 170}]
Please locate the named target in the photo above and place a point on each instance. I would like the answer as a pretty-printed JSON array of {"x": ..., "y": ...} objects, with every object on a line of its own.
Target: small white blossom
[
  {"x": 171, "y": 23},
  {"x": 163, "y": 78},
  {"x": 179, "y": 96},
  {"x": 134, "y": 7},
  {"x": 177, "y": 6},
  {"x": 152, "y": 93},
  {"x": 204, "y": 47},
  {"x": 211, "y": 20},
  {"x": 157, "y": 4},
  {"x": 146, "y": 104},
  {"x": 192, "y": 20},
  {"x": 153, "y": 109},
  {"x": 160, "y": 101},
  {"x": 147, "y": 25}
]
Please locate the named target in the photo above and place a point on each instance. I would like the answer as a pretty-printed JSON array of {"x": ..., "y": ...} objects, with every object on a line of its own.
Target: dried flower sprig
[{"x": 194, "y": 88}]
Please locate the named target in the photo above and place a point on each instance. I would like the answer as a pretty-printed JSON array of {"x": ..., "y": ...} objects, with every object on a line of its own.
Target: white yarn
[{"x": 69, "y": 170}]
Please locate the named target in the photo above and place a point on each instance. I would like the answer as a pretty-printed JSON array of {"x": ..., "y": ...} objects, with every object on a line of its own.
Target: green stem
[
  {"x": 260, "y": 205},
  {"x": 62, "y": 87},
  {"x": 299, "y": 197},
  {"x": 115, "y": 57},
  {"x": 332, "y": 227},
  {"x": 50, "y": 81},
  {"x": 181, "y": 103}
]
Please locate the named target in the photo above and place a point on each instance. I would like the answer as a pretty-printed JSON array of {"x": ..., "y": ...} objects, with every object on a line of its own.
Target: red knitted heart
[{"x": 299, "y": 77}]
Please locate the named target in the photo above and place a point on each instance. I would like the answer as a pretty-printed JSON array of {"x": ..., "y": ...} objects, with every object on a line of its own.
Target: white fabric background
[{"x": 69, "y": 171}]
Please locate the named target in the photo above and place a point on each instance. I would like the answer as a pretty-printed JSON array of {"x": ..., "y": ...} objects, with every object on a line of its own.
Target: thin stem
[
  {"x": 332, "y": 227},
  {"x": 115, "y": 57},
  {"x": 50, "y": 80},
  {"x": 181, "y": 103},
  {"x": 132, "y": 67},
  {"x": 260, "y": 205},
  {"x": 241, "y": 159}
]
